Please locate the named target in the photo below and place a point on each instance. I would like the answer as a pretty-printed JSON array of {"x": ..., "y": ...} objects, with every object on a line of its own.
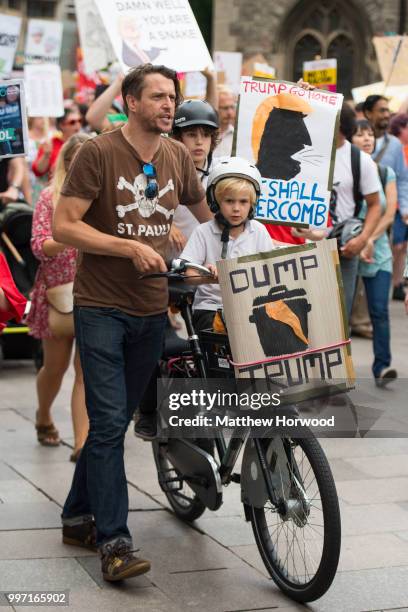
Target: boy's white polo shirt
[{"x": 205, "y": 246}]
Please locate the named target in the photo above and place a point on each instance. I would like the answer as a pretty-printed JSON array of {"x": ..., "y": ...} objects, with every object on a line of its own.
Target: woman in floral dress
[{"x": 57, "y": 267}]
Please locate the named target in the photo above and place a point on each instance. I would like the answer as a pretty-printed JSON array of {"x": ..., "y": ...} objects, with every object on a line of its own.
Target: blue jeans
[
  {"x": 118, "y": 354},
  {"x": 378, "y": 291},
  {"x": 349, "y": 269}
]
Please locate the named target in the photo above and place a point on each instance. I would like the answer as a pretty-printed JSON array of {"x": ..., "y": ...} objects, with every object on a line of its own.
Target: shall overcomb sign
[
  {"x": 286, "y": 320},
  {"x": 289, "y": 132}
]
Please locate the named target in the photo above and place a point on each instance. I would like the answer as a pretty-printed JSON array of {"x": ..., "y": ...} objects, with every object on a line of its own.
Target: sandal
[{"x": 47, "y": 435}]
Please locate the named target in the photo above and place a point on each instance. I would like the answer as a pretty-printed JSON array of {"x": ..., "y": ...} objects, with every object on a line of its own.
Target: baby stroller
[{"x": 15, "y": 234}]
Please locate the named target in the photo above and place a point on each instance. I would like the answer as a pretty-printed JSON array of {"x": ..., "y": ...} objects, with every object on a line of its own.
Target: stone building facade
[{"x": 288, "y": 32}]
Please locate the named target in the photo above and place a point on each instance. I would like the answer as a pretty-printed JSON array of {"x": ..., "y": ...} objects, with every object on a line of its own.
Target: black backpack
[{"x": 357, "y": 196}]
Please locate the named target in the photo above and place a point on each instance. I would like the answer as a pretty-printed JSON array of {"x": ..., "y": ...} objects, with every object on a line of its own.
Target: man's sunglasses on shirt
[{"x": 152, "y": 187}]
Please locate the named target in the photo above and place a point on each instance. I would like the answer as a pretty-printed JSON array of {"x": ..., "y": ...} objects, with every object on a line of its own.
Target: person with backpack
[
  {"x": 376, "y": 270},
  {"x": 355, "y": 177},
  {"x": 388, "y": 151}
]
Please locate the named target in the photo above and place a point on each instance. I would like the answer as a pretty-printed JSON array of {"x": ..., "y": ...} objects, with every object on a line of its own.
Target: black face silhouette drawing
[{"x": 284, "y": 135}]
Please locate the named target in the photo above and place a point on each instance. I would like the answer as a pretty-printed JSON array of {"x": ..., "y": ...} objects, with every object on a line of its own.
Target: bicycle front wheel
[{"x": 299, "y": 538}]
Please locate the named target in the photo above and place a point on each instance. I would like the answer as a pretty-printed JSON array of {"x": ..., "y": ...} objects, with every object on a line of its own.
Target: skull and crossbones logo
[{"x": 146, "y": 207}]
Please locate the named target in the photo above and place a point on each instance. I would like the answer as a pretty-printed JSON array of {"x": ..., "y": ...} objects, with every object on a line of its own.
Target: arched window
[{"x": 329, "y": 29}]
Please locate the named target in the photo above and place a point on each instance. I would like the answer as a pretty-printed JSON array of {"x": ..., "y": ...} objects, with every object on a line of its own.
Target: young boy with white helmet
[{"x": 233, "y": 190}]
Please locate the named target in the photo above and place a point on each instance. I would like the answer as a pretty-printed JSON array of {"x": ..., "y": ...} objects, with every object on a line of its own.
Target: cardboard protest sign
[
  {"x": 43, "y": 42},
  {"x": 195, "y": 85},
  {"x": 289, "y": 133},
  {"x": 156, "y": 31},
  {"x": 286, "y": 320},
  {"x": 13, "y": 119},
  {"x": 392, "y": 56},
  {"x": 9, "y": 35},
  {"x": 44, "y": 90},
  {"x": 321, "y": 73},
  {"x": 263, "y": 70},
  {"x": 95, "y": 42},
  {"x": 228, "y": 64},
  {"x": 395, "y": 93}
]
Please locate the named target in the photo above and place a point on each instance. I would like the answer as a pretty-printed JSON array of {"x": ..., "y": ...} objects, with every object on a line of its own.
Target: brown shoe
[
  {"x": 119, "y": 562},
  {"x": 83, "y": 535}
]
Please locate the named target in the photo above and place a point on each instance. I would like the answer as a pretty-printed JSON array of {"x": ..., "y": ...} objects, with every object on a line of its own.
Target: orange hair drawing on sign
[{"x": 278, "y": 132}]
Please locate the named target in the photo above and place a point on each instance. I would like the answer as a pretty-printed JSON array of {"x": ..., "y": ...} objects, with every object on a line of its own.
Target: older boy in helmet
[
  {"x": 196, "y": 126},
  {"x": 233, "y": 189}
]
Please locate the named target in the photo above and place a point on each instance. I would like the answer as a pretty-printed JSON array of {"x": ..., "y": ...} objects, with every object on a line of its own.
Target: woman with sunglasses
[{"x": 69, "y": 124}]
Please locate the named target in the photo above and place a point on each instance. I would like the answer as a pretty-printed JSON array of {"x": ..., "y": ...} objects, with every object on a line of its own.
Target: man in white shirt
[
  {"x": 343, "y": 185},
  {"x": 226, "y": 116}
]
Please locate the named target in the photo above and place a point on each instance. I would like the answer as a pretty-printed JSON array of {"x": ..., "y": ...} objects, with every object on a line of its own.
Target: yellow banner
[{"x": 328, "y": 76}]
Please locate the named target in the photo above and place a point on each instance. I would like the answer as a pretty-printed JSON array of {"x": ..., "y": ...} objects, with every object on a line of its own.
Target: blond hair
[
  {"x": 64, "y": 159},
  {"x": 234, "y": 186}
]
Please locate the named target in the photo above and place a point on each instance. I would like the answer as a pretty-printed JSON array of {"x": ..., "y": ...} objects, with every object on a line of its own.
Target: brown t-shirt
[{"x": 108, "y": 171}]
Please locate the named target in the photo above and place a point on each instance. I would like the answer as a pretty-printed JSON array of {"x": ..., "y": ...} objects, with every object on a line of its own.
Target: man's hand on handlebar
[{"x": 147, "y": 261}]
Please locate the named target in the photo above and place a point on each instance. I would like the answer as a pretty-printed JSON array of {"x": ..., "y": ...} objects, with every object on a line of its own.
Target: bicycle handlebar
[{"x": 177, "y": 270}]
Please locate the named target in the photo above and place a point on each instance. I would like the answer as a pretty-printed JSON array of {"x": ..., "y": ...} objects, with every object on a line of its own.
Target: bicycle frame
[{"x": 227, "y": 453}]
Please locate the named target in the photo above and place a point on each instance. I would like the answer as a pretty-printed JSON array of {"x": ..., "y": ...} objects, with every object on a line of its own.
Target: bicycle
[{"x": 287, "y": 488}]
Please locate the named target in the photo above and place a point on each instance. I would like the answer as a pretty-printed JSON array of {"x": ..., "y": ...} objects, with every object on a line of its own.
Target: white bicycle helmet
[
  {"x": 236, "y": 167},
  {"x": 231, "y": 167}
]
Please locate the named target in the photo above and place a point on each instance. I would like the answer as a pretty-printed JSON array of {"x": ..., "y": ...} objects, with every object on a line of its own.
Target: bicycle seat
[
  {"x": 181, "y": 294},
  {"x": 174, "y": 346}
]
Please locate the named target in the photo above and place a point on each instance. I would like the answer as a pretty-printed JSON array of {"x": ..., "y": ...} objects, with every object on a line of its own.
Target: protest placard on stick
[
  {"x": 13, "y": 119},
  {"x": 396, "y": 94},
  {"x": 392, "y": 56},
  {"x": 157, "y": 31},
  {"x": 95, "y": 42},
  {"x": 44, "y": 90},
  {"x": 10, "y": 26},
  {"x": 289, "y": 133},
  {"x": 321, "y": 73},
  {"x": 43, "y": 41},
  {"x": 286, "y": 320},
  {"x": 229, "y": 65}
]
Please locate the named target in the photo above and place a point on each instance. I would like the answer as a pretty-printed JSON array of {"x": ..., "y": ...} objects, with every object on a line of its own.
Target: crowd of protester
[{"x": 370, "y": 192}]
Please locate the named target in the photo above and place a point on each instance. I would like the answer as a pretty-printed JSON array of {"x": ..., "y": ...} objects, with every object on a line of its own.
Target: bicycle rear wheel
[
  {"x": 299, "y": 538},
  {"x": 185, "y": 503}
]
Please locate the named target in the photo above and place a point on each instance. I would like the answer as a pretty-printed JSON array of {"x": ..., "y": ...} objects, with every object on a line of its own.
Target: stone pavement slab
[
  {"x": 37, "y": 543},
  {"x": 112, "y": 598},
  {"x": 228, "y": 531},
  {"x": 195, "y": 552},
  {"x": 56, "y": 483},
  {"x": 43, "y": 574},
  {"x": 382, "y": 466},
  {"x": 373, "y": 518},
  {"x": 19, "y": 491},
  {"x": 384, "y": 490},
  {"x": 372, "y": 551},
  {"x": 156, "y": 525},
  {"x": 357, "y": 591},
  {"x": 221, "y": 590},
  {"x": 29, "y": 515}
]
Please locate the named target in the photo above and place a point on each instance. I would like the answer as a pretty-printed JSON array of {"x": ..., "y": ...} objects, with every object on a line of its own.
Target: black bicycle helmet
[{"x": 195, "y": 112}]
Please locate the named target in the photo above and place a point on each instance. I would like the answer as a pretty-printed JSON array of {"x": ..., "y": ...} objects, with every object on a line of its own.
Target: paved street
[{"x": 213, "y": 566}]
